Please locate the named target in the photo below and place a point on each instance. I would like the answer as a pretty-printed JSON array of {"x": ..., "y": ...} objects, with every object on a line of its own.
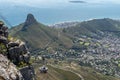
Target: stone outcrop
[
  {"x": 13, "y": 53},
  {"x": 8, "y": 70},
  {"x": 18, "y": 52}
]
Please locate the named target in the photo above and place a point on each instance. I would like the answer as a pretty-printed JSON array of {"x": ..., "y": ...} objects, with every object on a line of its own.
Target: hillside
[
  {"x": 93, "y": 27},
  {"x": 39, "y": 36}
]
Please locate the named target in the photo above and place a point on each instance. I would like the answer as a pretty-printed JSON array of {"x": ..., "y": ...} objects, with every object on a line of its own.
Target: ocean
[{"x": 48, "y": 16}]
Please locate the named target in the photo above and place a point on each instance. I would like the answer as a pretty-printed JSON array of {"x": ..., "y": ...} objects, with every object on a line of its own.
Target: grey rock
[
  {"x": 13, "y": 44},
  {"x": 8, "y": 70}
]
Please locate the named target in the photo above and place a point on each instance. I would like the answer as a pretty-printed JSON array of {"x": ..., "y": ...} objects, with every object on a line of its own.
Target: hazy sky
[
  {"x": 52, "y": 3},
  {"x": 54, "y": 11}
]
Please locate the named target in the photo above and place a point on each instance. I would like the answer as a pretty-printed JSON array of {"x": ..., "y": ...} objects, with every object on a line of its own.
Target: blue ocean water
[{"x": 75, "y": 12}]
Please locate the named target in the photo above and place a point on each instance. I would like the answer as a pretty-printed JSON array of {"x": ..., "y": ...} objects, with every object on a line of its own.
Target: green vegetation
[
  {"x": 3, "y": 48},
  {"x": 87, "y": 44},
  {"x": 22, "y": 64},
  {"x": 39, "y": 36}
]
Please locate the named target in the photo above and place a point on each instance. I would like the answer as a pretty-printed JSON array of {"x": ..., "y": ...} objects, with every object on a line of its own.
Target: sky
[
  {"x": 53, "y": 3},
  {"x": 55, "y": 11}
]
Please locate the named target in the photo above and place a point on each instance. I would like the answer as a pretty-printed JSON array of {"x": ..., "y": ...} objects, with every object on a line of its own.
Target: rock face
[
  {"x": 8, "y": 70},
  {"x": 30, "y": 20},
  {"x": 18, "y": 52},
  {"x": 13, "y": 51}
]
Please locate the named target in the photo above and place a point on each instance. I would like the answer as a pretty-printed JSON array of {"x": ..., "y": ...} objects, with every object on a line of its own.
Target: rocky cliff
[{"x": 13, "y": 53}]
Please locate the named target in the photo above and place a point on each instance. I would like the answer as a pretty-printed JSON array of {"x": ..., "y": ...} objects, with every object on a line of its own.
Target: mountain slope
[
  {"x": 95, "y": 26},
  {"x": 39, "y": 36}
]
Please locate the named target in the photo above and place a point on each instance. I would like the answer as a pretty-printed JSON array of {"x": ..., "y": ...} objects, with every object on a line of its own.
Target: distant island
[{"x": 77, "y": 1}]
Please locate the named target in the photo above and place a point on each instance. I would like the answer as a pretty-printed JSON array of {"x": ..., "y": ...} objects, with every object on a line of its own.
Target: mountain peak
[{"x": 29, "y": 21}]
